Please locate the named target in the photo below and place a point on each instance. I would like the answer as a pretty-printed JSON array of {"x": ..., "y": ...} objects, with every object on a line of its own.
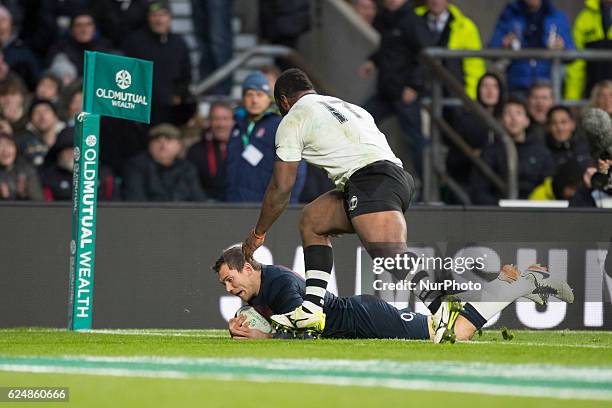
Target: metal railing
[
  {"x": 239, "y": 61},
  {"x": 433, "y": 171}
]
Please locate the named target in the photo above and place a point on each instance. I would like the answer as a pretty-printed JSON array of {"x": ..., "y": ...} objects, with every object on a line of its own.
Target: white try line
[{"x": 217, "y": 334}]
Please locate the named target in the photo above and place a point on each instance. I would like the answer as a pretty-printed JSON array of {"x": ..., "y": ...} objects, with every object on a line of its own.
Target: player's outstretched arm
[{"x": 275, "y": 201}]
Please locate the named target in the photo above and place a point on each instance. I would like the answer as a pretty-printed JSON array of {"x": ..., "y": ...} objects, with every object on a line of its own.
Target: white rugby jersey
[{"x": 332, "y": 134}]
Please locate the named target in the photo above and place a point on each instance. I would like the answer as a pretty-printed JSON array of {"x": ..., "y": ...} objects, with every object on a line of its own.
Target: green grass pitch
[{"x": 205, "y": 368}]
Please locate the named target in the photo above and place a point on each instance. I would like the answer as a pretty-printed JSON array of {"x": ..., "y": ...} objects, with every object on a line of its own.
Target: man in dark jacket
[
  {"x": 282, "y": 21},
  {"x": 400, "y": 78},
  {"x": 534, "y": 160},
  {"x": 170, "y": 55},
  {"x": 118, "y": 19},
  {"x": 82, "y": 37},
  {"x": 159, "y": 174},
  {"x": 209, "y": 154},
  {"x": 251, "y": 151}
]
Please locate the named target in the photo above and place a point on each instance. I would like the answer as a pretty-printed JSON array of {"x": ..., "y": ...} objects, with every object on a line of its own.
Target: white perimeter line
[{"x": 339, "y": 381}]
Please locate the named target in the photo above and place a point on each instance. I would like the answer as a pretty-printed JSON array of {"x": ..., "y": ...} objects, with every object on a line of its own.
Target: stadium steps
[{"x": 183, "y": 24}]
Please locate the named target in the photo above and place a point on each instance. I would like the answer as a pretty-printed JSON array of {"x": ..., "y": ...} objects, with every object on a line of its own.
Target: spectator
[
  {"x": 251, "y": 150},
  {"x": 81, "y": 37},
  {"x": 57, "y": 171},
  {"x": 36, "y": 23},
  {"x": 209, "y": 154},
  {"x": 591, "y": 31},
  {"x": 41, "y": 132},
  {"x": 272, "y": 72},
  {"x": 531, "y": 24},
  {"x": 601, "y": 96},
  {"x": 401, "y": 79},
  {"x": 159, "y": 174},
  {"x": 491, "y": 95},
  {"x": 534, "y": 160},
  {"x": 48, "y": 87},
  {"x": 13, "y": 102},
  {"x": 562, "y": 140},
  {"x": 212, "y": 22},
  {"x": 71, "y": 102},
  {"x": 18, "y": 180},
  {"x": 170, "y": 55},
  {"x": 116, "y": 19},
  {"x": 451, "y": 29},
  {"x": 539, "y": 101},
  {"x": 562, "y": 186},
  {"x": 17, "y": 55},
  {"x": 283, "y": 22},
  {"x": 366, "y": 9}
]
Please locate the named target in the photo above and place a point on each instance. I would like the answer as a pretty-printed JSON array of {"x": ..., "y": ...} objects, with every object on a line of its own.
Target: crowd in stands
[
  {"x": 230, "y": 154},
  {"x": 553, "y": 152}
]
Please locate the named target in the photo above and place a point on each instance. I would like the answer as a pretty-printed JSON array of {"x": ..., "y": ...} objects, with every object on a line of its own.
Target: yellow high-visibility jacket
[
  {"x": 587, "y": 28},
  {"x": 544, "y": 191},
  {"x": 464, "y": 35}
]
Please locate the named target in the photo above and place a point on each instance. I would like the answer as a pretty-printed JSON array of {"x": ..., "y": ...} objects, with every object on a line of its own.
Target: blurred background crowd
[{"x": 195, "y": 152}]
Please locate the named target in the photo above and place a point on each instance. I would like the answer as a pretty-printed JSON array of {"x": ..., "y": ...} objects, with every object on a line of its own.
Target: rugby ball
[{"x": 256, "y": 321}]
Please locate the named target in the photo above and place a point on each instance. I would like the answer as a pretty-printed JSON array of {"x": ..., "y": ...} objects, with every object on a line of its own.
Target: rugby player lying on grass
[{"x": 272, "y": 289}]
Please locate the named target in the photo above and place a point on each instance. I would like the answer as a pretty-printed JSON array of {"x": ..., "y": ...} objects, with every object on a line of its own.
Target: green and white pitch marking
[
  {"x": 532, "y": 380},
  {"x": 151, "y": 368}
]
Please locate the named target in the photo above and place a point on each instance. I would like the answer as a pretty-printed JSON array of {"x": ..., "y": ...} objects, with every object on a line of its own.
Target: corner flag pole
[{"x": 113, "y": 86}]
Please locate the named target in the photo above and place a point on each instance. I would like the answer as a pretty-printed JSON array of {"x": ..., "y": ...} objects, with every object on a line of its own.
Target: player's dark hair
[
  {"x": 291, "y": 82},
  {"x": 234, "y": 259},
  {"x": 558, "y": 108}
]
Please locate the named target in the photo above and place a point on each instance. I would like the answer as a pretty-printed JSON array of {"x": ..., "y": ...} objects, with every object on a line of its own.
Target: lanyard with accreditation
[{"x": 250, "y": 153}]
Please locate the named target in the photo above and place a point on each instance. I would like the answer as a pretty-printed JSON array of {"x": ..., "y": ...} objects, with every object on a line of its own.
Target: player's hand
[
  {"x": 240, "y": 330},
  {"x": 409, "y": 95},
  {"x": 251, "y": 243},
  {"x": 239, "y": 327},
  {"x": 366, "y": 69}
]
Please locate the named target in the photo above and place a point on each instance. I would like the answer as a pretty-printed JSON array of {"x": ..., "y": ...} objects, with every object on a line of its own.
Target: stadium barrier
[{"x": 153, "y": 261}]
